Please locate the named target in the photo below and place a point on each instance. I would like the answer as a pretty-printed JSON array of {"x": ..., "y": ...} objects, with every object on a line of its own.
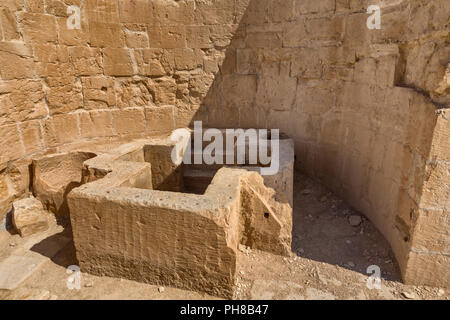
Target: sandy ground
[{"x": 329, "y": 261}]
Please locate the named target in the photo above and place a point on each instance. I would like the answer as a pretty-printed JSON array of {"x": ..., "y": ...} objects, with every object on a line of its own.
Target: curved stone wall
[{"x": 368, "y": 109}]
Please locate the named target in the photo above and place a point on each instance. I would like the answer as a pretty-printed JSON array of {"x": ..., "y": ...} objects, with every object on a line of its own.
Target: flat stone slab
[{"x": 20, "y": 265}]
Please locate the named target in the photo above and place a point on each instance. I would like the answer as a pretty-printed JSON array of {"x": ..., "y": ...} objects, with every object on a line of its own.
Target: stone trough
[{"x": 138, "y": 215}]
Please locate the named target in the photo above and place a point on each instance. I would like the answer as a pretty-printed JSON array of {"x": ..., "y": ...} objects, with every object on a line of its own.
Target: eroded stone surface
[
  {"x": 29, "y": 216},
  {"x": 161, "y": 234},
  {"x": 366, "y": 108},
  {"x": 53, "y": 178}
]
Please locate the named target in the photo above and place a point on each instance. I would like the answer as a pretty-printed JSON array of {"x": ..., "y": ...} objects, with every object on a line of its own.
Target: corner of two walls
[{"x": 368, "y": 110}]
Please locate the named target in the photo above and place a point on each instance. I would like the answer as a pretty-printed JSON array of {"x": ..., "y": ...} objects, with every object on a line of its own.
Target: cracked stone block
[{"x": 54, "y": 176}]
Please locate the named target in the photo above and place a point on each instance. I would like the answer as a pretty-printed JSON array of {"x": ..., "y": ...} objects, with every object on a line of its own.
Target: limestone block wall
[{"x": 368, "y": 109}]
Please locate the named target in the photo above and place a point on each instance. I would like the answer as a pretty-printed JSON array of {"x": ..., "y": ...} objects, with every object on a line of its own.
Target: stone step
[{"x": 23, "y": 263}]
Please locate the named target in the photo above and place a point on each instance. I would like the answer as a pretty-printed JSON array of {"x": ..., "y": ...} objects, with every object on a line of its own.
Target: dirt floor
[{"x": 331, "y": 252}]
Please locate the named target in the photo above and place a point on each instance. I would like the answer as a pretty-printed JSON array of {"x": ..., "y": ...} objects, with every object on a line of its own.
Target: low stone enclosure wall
[
  {"x": 126, "y": 223},
  {"x": 367, "y": 109}
]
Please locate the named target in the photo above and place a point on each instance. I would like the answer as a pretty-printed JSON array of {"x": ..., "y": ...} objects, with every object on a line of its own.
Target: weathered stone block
[
  {"x": 198, "y": 37},
  {"x": 39, "y": 28},
  {"x": 106, "y": 34},
  {"x": 136, "y": 39},
  {"x": 160, "y": 120},
  {"x": 85, "y": 61},
  {"x": 98, "y": 92},
  {"x": 60, "y": 129},
  {"x": 118, "y": 62},
  {"x": 134, "y": 92},
  {"x": 139, "y": 11},
  {"x": 235, "y": 208},
  {"x": 11, "y": 144},
  {"x": 9, "y": 25},
  {"x": 32, "y": 136},
  {"x": 16, "y": 61},
  {"x": 129, "y": 121},
  {"x": 96, "y": 124},
  {"x": 55, "y": 176},
  {"x": 63, "y": 94},
  {"x": 154, "y": 62}
]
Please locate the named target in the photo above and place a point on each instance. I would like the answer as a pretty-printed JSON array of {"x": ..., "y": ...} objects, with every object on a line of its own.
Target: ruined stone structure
[
  {"x": 124, "y": 226},
  {"x": 367, "y": 109}
]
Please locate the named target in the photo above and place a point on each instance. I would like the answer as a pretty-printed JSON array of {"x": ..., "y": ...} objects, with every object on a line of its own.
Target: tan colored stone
[
  {"x": 29, "y": 217},
  {"x": 37, "y": 27},
  {"x": 95, "y": 124},
  {"x": 98, "y": 92},
  {"x": 54, "y": 177},
  {"x": 11, "y": 144},
  {"x": 36, "y": 6},
  {"x": 160, "y": 120},
  {"x": 16, "y": 61},
  {"x": 167, "y": 37},
  {"x": 211, "y": 13},
  {"x": 60, "y": 129},
  {"x": 21, "y": 100},
  {"x": 118, "y": 62},
  {"x": 139, "y": 11},
  {"x": 102, "y": 11},
  {"x": 63, "y": 94},
  {"x": 106, "y": 34},
  {"x": 135, "y": 92},
  {"x": 173, "y": 12},
  {"x": 236, "y": 207},
  {"x": 136, "y": 39},
  {"x": 73, "y": 37},
  {"x": 32, "y": 136},
  {"x": 9, "y": 25},
  {"x": 85, "y": 61},
  {"x": 154, "y": 62},
  {"x": 188, "y": 59},
  {"x": 128, "y": 122},
  {"x": 198, "y": 37}
]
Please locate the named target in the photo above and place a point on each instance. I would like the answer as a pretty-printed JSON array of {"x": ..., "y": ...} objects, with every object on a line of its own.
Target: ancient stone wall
[
  {"x": 133, "y": 68},
  {"x": 368, "y": 109},
  {"x": 364, "y": 107}
]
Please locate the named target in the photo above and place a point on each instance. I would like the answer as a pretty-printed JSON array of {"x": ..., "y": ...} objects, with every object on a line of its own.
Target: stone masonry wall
[{"x": 368, "y": 109}]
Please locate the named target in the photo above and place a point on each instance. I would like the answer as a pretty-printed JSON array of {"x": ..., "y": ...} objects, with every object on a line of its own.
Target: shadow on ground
[{"x": 322, "y": 232}]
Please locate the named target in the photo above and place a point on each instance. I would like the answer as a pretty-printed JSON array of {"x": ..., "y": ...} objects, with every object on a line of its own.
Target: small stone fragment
[
  {"x": 161, "y": 289},
  {"x": 29, "y": 217}
]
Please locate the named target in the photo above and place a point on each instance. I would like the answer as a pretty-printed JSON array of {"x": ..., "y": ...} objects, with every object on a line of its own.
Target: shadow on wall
[{"x": 331, "y": 84}]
